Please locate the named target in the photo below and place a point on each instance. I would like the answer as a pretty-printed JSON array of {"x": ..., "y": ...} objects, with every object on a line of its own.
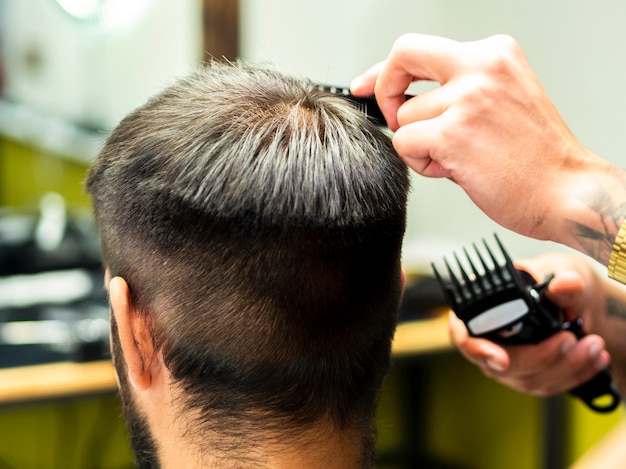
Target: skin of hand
[
  {"x": 491, "y": 128},
  {"x": 560, "y": 362}
]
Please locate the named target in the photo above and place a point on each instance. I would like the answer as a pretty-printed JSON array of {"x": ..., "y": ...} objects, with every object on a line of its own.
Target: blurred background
[{"x": 71, "y": 69}]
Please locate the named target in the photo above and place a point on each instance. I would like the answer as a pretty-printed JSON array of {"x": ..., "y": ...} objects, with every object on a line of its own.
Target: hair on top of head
[
  {"x": 270, "y": 148},
  {"x": 258, "y": 222}
]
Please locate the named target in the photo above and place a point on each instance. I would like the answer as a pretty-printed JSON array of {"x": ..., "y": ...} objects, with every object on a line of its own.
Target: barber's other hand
[
  {"x": 559, "y": 363},
  {"x": 490, "y": 127}
]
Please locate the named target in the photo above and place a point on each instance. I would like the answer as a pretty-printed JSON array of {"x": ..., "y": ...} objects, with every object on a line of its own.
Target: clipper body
[{"x": 508, "y": 306}]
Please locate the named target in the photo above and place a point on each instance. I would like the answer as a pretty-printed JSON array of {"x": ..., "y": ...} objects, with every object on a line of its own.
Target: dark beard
[{"x": 141, "y": 439}]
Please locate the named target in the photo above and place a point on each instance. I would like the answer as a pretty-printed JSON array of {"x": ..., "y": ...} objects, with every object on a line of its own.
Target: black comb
[
  {"x": 367, "y": 105},
  {"x": 508, "y": 306}
]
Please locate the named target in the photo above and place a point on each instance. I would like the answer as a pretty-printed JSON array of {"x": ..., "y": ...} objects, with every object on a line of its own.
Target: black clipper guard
[{"x": 508, "y": 306}]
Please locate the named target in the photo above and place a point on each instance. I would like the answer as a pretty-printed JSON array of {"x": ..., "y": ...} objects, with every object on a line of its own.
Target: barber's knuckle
[
  {"x": 503, "y": 48},
  {"x": 477, "y": 100},
  {"x": 505, "y": 41},
  {"x": 498, "y": 63},
  {"x": 404, "y": 42},
  {"x": 500, "y": 55},
  {"x": 458, "y": 126}
]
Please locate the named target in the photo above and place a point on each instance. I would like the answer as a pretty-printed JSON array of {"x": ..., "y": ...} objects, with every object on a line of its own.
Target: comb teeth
[
  {"x": 472, "y": 290},
  {"x": 367, "y": 105}
]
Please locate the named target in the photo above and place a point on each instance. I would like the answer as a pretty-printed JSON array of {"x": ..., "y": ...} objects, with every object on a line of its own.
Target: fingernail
[
  {"x": 568, "y": 345},
  {"x": 600, "y": 360},
  {"x": 594, "y": 351},
  {"x": 494, "y": 365}
]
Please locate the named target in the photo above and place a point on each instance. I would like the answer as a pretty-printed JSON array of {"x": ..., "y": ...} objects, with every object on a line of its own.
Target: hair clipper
[{"x": 508, "y": 306}]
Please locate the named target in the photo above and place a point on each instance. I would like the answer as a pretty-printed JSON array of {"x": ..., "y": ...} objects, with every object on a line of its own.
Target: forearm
[{"x": 594, "y": 208}]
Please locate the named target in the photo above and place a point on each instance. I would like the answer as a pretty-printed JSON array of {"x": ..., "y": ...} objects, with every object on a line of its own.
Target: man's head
[{"x": 257, "y": 225}]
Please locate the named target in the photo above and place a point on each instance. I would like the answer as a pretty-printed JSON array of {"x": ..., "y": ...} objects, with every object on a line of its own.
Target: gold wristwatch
[{"x": 617, "y": 261}]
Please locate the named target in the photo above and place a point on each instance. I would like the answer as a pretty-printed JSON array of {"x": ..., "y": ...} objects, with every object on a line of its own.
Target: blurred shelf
[
  {"x": 67, "y": 379},
  {"x": 56, "y": 380},
  {"x": 421, "y": 337}
]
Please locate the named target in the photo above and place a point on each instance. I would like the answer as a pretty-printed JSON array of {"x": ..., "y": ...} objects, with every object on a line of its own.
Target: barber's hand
[
  {"x": 491, "y": 128},
  {"x": 559, "y": 363}
]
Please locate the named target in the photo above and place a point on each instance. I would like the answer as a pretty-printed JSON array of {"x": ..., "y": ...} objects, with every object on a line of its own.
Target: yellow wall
[
  {"x": 85, "y": 433},
  {"x": 26, "y": 174},
  {"x": 586, "y": 427},
  {"x": 468, "y": 421}
]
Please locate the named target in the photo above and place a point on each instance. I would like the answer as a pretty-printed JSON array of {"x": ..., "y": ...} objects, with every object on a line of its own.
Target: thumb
[
  {"x": 481, "y": 352},
  {"x": 566, "y": 289}
]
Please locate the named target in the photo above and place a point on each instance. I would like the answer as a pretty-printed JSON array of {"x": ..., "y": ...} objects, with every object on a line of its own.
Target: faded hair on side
[{"x": 258, "y": 222}]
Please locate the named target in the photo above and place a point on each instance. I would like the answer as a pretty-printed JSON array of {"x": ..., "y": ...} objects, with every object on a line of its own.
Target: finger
[
  {"x": 363, "y": 85},
  {"x": 481, "y": 352},
  {"x": 535, "y": 369},
  {"x": 414, "y": 57},
  {"x": 593, "y": 347},
  {"x": 532, "y": 359},
  {"x": 568, "y": 284},
  {"x": 566, "y": 288},
  {"x": 561, "y": 358},
  {"x": 577, "y": 367},
  {"x": 457, "y": 330},
  {"x": 415, "y": 142},
  {"x": 424, "y": 106}
]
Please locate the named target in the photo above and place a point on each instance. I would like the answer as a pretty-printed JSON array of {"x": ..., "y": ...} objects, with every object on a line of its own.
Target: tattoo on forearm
[
  {"x": 594, "y": 242},
  {"x": 615, "y": 308},
  {"x": 597, "y": 240}
]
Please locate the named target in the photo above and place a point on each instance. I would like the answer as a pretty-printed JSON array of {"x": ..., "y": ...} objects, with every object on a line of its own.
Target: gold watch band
[{"x": 617, "y": 261}]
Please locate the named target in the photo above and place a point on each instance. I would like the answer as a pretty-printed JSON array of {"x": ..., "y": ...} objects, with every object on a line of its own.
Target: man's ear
[{"x": 134, "y": 335}]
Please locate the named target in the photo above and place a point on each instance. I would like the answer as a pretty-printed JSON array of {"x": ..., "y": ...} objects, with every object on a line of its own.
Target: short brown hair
[{"x": 258, "y": 222}]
